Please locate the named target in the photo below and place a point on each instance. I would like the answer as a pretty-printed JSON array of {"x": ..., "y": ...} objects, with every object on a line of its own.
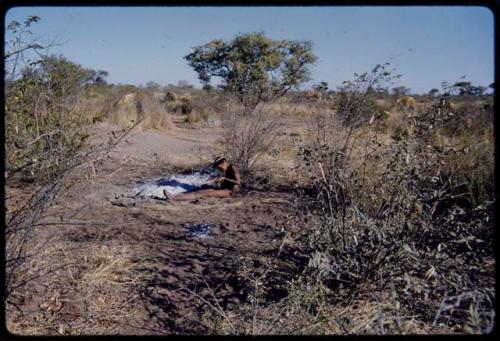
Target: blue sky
[{"x": 427, "y": 45}]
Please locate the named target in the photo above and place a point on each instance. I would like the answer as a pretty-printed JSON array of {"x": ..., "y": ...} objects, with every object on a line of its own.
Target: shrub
[
  {"x": 398, "y": 215},
  {"x": 185, "y": 107},
  {"x": 42, "y": 125},
  {"x": 356, "y": 100},
  {"x": 169, "y": 97},
  {"x": 247, "y": 137}
]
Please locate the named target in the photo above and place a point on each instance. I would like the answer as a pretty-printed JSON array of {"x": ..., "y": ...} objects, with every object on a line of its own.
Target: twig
[
  {"x": 116, "y": 171},
  {"x": 37, "y": 276},
  {"x": 130, "y": 299},
  {"x": 212, "y": 306},
  {"x": 47, "y": 134},
  {"x": 441, "y": 308}
]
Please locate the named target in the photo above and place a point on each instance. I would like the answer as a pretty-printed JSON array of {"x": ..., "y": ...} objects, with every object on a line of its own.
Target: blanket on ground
[{"x": 175, "y": 184}]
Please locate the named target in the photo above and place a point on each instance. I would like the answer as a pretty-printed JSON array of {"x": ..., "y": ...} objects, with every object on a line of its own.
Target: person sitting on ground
[{"x": 229, "y": 184}]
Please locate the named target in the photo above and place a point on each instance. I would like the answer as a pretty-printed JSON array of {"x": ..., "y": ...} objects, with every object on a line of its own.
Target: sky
[{"x": 427, "y": 45}]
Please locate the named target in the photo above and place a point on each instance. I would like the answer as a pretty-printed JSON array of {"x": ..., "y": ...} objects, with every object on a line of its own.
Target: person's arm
[{"x": 236, "y": 181}]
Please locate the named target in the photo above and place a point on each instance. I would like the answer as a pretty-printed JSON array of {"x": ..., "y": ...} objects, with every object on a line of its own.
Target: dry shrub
[
  {"x": 248, "y": 136},
  {"x": 92, "y": 291},
  {"x": 470, "y": 135},
  {"x": 307, "y": 311},
  {"x": 398, "y": 122},
  {"x": 93, "y": 102},
  {"x": 133, "y": 106},
  {"x": 169, "y": 97},
  {"x": 31, "y": 244},
  {"x": 204, "y": 106},
  {"x": 193, "y": 117},
  {"x": 300, "y": 110},
  {"x": 196, "y": 116},
  {"x": 179, "y": 104},
  {"x": 400, "y": 215}
]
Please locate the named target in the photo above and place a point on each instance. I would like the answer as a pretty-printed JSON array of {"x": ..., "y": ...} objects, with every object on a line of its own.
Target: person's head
[{"x": 221, "y": 164}]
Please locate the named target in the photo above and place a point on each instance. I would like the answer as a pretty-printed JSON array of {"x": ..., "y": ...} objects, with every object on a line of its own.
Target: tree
[
  {"x": 478, "y": 90},
  {"x": 17, "y": 46},
  {"x": 252, "y": 66},
  {"x": 433, "y": 92},
  {"x": 400, "y": 91},
  {"x": 153, "y": 86},
  {"x": 208, "y": 87},
  {"x": 184, "y": 84},
  {"x": 100, "y": 77},
  {"x": 321, "y": 87},
  {"x": 466, "y": 88}
]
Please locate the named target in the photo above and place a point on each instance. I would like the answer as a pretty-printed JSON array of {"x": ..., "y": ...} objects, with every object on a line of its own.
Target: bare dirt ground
[{"x": 173, "y": 267}]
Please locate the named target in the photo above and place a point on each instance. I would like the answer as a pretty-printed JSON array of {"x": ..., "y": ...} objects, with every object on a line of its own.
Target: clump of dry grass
[
  {"x": 125, "y": 109},
  {"x": 179, "y": 104},
  {"x": 90, "y": 291},
  {"x": 193, "y": 117}
]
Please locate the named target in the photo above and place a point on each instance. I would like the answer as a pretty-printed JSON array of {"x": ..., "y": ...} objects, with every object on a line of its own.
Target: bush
[
  {"x": 185, "y": 108},
  {"x": 179, "y": 104},
  {"x": 356, "y": 101},
  {"x": 248, "y": 136},
  {"x": 400, "y": 215},
  {"x": 42, "y": 125}
]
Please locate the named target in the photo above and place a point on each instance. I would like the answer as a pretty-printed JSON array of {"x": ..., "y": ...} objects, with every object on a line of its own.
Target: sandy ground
[
  {"x": 166, "y": 256},
  {"x": 183, "y": 146}
]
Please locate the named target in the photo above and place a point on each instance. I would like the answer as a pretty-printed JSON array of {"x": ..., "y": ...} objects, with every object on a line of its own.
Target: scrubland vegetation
[{"x": 392, "y": 227}]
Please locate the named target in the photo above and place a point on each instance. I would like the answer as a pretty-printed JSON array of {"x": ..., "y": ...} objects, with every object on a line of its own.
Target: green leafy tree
[
  {"x": 61, "y": 76},
  {"x": 466, "y": 88},
  {"x": 42, "y": 125},
  {"x": 400, "y": 91},
  {"x": 462, "y": 88},
  {"x": 100, "y": 77},
  {"x": 433, "y": 92},
  {"x": 252, "y": 66},
  {"x": 321, "y": 87}
]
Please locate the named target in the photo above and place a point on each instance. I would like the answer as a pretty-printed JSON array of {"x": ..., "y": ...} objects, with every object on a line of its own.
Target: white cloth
[{"x": 173, "y": 185}]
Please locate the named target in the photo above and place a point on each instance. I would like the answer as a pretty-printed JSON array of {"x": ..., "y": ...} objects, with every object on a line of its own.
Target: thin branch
[
  {"x": 221, "y": 312},
  {"x": 48, "y": 134}
]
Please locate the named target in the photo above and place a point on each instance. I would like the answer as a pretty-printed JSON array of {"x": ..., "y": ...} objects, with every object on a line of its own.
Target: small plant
[{"x": 355, "y": 102}]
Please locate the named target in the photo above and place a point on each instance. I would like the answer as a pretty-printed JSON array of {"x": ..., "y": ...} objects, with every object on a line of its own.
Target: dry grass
[
  {"x": 198, "y": 116},
  {"x": 307, "y": 311},
  {"x": 130, "y": 107},
  {"x": 93, "y": 290}
]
